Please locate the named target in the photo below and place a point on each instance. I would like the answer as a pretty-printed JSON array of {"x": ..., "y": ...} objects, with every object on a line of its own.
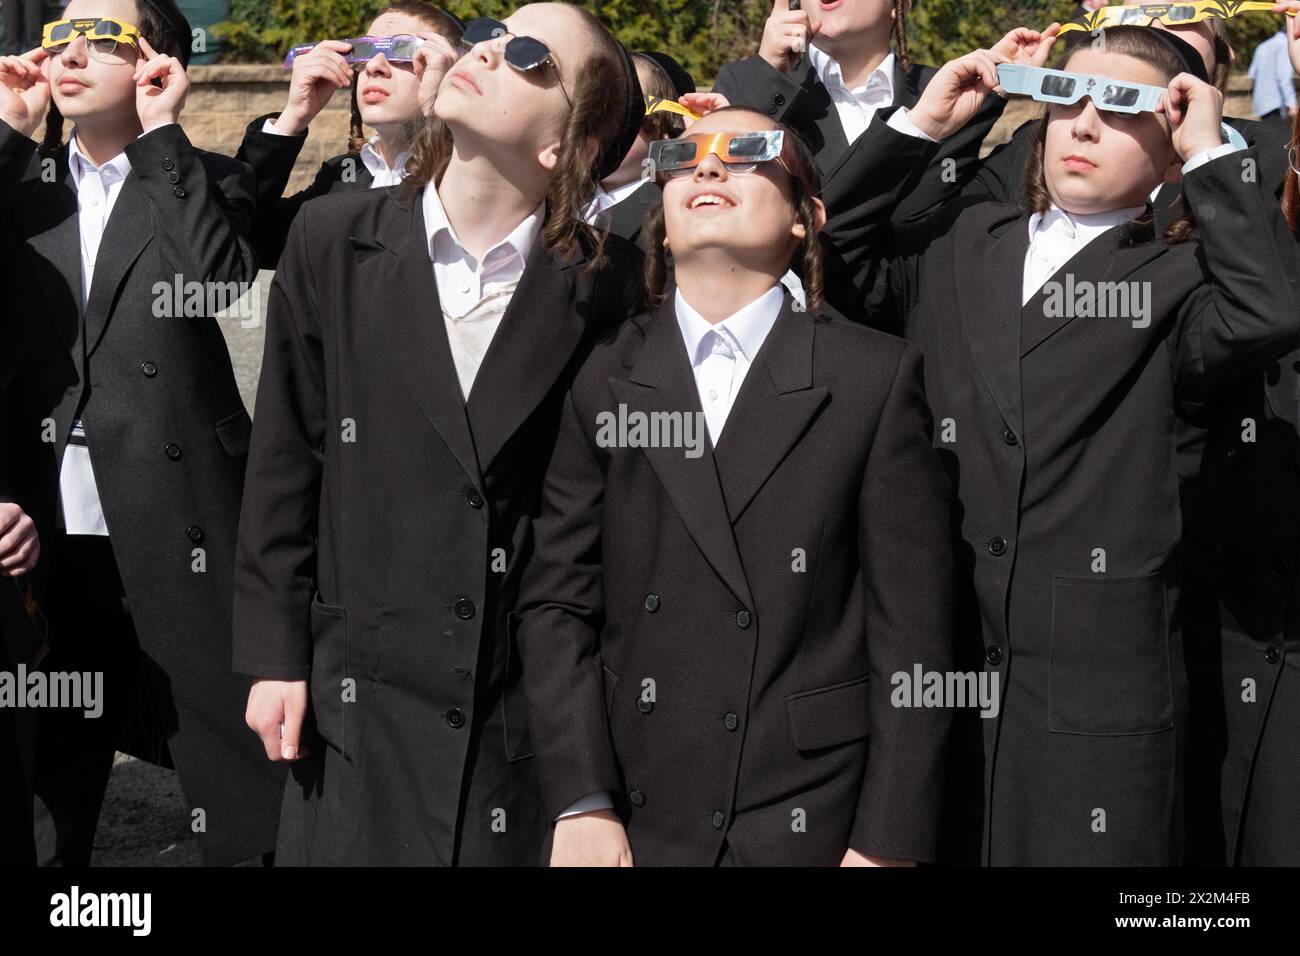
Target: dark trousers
[
  {"x": 1279, "y": 115},
  {"x": 23, "y": 22},
  {"x": 90, "y": 631}
]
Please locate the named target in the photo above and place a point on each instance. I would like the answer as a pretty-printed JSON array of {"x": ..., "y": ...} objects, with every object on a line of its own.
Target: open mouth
[{"x": 709, "y": 201}]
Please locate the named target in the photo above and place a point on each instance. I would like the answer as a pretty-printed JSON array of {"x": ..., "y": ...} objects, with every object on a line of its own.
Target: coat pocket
[
  {"x": 330, "y": 696},
  {"x": 234, "y": 431},
  {"x": 1110, "y": 672},
  {"x": 514, "y": 704},
  {"x": 829, "y": 716}
]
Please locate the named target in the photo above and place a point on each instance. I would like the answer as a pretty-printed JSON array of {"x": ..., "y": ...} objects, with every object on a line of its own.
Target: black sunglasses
[{"x": 522, "y": 53}]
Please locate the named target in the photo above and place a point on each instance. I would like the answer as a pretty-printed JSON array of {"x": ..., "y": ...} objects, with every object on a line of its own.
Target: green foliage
[{"x": 702, "y": 34}]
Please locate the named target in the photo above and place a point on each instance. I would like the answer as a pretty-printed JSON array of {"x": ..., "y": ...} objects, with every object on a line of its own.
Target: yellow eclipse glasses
[
  {"x": 102, "y": 34},
  {"x": 1170, "y": 14}
]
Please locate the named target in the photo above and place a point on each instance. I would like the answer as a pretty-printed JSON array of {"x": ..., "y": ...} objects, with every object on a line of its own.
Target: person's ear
[
  {"x": 799, "y": 231},
  {"x": 549, "y": 157}
]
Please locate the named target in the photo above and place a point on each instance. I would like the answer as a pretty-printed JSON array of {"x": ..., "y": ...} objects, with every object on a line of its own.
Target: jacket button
[
  {"x": 464, "y": 609},
  {"x": 1233, "y": 455},
  {"x": 1271, "y": 655},
  {"x": 993, "y": 654},
  {"x": 1009, "y": 437},
  {"x": 1279, "y": 568},
  {"x": 173, "y": 178},
  {"x": 771, "y": 110},
  {"x": 998, "y": 546},
  {"x": 652, "y": 602},
  {"x": 645, "y": 706},
  {"x": 149, "y": 369},
  {"x": 779, "y": 99},
  {"x": 179, "y": 192},
  {"x": 168, "y": 164},
  {"x": 743, "y": 618},
  {"x": 474, "y": 498},
  {"x": 637, "y": 798},
  {"x": 455, "y": 718},
  {"x": 719, "y": 818},
  {"x": 172, "y": 451},
  {"x": 731, "y": 721},
  {"x": 195, "y": 533}
]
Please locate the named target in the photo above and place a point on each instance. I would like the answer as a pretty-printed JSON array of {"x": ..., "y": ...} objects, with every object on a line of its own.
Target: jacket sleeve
[
  {"x": 16, "y": 155},
  {"x": 272, "y": 157},
  {"x": 204, "y": 212},
  {"x": 1247, "y": 311},
  {"x": 861, "y": 195},
  {"x": 275, "y": 558},
  {"x": 905, "y": 544},
  {"x": 953, "y": 168},
  {"x": 561, "y": 613},
  {"x": 755, "y": 83}
]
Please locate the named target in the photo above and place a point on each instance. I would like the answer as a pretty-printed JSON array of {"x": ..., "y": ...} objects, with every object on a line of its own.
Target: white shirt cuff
[
  {"x": 600, "y": 800},
  {"x": 270, "y": 127},
  {"x": 1205, "y": 155},
  {"x": 901, "y": 122}
]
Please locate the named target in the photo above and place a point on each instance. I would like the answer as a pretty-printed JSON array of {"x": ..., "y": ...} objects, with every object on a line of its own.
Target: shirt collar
[
  {"x": 749, "y": 327},
  {"x": 521, "y": 238},
  {"x": 1084, "y": 227},
  {"x": 604, "y": 198},
  {"x": 79, "y": 164},
  {"x": 828, "y": 70},
  {"x": 373, "y": 160}
]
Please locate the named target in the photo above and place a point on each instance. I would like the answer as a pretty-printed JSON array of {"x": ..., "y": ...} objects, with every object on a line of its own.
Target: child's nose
[
  {"x": 75, "y": 54},
  {"x": 378, "y": 65},
  {"x": 1088, "y": 122},
  {"x": 711, "y": 167}
]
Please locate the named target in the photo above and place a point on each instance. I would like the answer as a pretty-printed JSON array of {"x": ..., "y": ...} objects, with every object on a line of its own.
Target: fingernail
[{"x": 289, "y": 752}]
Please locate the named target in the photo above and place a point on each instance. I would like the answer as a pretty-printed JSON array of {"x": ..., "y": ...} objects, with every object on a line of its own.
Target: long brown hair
[
  {"x": 1130, "y": 41},
  {"x": 599, "y": 95},
  {"x": 805, "y": 186},
  {"x": 434, "y": 17},
  {"x": 900, "y": 33},
  {"x": 1291, "y": 186}
]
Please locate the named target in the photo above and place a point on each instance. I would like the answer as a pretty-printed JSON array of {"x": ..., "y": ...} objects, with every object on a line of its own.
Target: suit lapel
[
  {"x": 418, "y": 344},
  {"x": 625, "y": 218},
  {"x": 129, "y": 230},
  {"x": 988, "y": 299},
  {"x": 907, "y": 84},
  {"x": 1111, "y": 256},
  {"x": 773, "y": 409},
  {"x": 538, "y": 336},
  {"x": 661, "y": 381},
  {"x": 825, "y": 117},
  {"x": 56, "y": 244}
]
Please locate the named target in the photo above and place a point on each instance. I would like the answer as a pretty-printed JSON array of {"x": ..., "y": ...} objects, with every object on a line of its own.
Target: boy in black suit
[{"x": 133, "y": 432}]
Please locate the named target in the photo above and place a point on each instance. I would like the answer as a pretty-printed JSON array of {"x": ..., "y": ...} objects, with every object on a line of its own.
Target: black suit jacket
[
  {"x": 713, "y": 638},
  {"x": 167, "y": 433},
  {"x": 624, "y": 219},
  {"x": 272, "y": 158},
  {"x": 802, "y": 101},
  {"x": 1060, "y": 432},
  {"x": 386, "y": 525}
]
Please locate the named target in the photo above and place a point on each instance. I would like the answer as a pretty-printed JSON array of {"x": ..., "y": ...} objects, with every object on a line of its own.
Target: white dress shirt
[
  {"x": 475, "y": 294},
  {"x": 720, "y": 356},
  {"x": 855, "y": 107},
  {"x": 371, "y": 158},
  {"x": 97, "y": 190}
]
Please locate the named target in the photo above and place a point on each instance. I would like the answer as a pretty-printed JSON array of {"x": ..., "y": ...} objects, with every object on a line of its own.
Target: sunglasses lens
[
  {"x": 1180, "y": 14},
  {"x": 109, "y": 27},
  {"x": 1059, "y": 87},
  {"x": 675, "y": 154},
  {"x": 525, "y": 53},
  {"x": 484, "y": 28},
  {"x": 60, "y": 32},
  {"x": 748, "y": 147},
  {"x": 404, "y": 49},
  {"x": 1119, "y": 96}
]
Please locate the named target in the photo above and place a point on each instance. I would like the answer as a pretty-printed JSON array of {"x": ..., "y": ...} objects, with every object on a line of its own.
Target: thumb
[{"x": 291, "y": 729}]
